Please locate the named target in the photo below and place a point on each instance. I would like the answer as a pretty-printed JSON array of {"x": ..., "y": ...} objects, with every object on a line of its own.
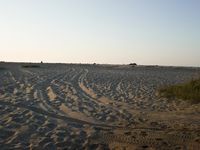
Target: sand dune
[{"x": 71, "y": 106}]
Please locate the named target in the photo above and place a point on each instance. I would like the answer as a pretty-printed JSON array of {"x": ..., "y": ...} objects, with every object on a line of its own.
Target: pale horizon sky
[{"x": 160, "y": 32}]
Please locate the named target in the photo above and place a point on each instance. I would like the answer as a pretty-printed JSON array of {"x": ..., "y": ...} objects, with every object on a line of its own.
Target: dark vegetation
[
  {"x": 133, "y": 64},
  {"x": 2, "y": 68},
  {"x": 189, "y": 91},
  {"x": 31, "y": 66},
  {"x": 2, "y": 65}
]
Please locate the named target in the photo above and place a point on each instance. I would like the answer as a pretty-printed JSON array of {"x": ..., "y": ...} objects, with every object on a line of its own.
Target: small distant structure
[
  {"x": 133, "y": 64},
  {"x": 41, "y": 62}
]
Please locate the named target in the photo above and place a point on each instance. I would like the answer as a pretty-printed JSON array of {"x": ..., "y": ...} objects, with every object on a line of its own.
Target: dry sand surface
[{"x": 68, "y": 106}]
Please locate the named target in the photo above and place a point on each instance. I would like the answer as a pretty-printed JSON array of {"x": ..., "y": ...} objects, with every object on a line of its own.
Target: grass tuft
[{"x": 189, "y": 91}]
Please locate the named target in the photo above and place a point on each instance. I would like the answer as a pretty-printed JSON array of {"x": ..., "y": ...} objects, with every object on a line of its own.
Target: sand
[{"x": 74, "y": 106}]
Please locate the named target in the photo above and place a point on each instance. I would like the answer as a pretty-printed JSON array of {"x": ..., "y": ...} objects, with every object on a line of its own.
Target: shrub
[
  {"x": 133, "y": 64},
  {"x": 189, "y": 91}
]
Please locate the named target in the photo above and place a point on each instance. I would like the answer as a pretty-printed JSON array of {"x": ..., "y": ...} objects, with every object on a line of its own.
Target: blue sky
[{"x": 164, "y": 32}]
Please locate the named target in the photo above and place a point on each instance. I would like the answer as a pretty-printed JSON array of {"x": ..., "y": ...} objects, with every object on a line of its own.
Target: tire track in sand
[{"x": 159, "y": 140}]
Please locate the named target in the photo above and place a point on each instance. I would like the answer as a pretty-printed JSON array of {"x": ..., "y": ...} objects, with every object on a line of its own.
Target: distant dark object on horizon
[
  {"x": 31, "y": 66},
  {"x": 133, "y": 64}
]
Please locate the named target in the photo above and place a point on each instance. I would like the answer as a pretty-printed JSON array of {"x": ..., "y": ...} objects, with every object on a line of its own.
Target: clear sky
[{"x": 163, "y": 32}]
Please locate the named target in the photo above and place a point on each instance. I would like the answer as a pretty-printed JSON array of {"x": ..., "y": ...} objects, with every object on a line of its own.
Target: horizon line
[{"x": 84, "y": 63}]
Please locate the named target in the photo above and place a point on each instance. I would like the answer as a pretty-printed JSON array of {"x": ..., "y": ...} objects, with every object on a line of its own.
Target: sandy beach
[{"x": 80, "y": 106}]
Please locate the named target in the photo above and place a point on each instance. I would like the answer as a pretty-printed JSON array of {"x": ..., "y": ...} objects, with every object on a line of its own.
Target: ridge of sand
[
  {"x": 52, "y": 96},
  {"x": 74, "y": 114},
  {"x": 89, "y": 91}
]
